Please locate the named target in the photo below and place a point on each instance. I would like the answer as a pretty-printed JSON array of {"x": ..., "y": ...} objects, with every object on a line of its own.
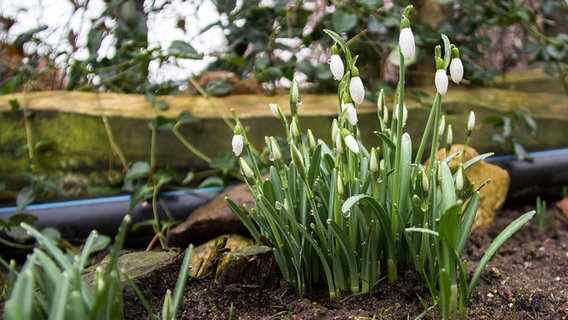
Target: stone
[
  {"x": 492, "y": 195},
  {"x": 212, "y": 219}
]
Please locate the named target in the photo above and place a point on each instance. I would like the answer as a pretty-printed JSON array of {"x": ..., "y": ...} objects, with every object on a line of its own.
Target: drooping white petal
[
  {"x": 356, "y": 90},
  {"x": 441, "y": 81},
  {"x": 456, "y": 70},
  {"x": 237, "y": 144},
  {"x": 471, "y": 121},
  {"x": 336, "y": 66},
  {"x": 351, "y": 143},
  {"x": 406, "y": 43},
  {"x": 351, "y": 113}
]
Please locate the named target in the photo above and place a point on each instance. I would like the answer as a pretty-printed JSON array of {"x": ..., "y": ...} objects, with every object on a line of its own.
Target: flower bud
[
  {"x": 356, "y": 90},
  {"x": 425, "y": 184},
  {"x": 294, "y": 128},
  {"x": 374, "y": 162},
  {"x": 338, "y": 143},
  {"x": 274, "y": 109},
  {"x": 340, "y": 188},
  {"x": 311, "y": 140},
  {"x": 351, "y": 113},
  {"x": 336, "y": 66},
  {"x": 351, "y": 143},
  {"x": 449, "y": 136},
  {"x": 442, "y": 126},
  {"x": 471, "y": 121},
  {"x": 404, "y": 114},
  {"x": 406, "y": 43},
  {"x": 237, "y": 144},
  {"x": 459, "y": 178},
  {"x": 334, "y": 130},
  {"x": 246, "y": 169},
  {"x": 276, "y": 154},
  {"x": 441, "y": 81},
  {"x": 456, "y": 70}
]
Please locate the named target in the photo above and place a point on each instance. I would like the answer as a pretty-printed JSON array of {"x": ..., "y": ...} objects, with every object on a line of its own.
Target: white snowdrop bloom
[
  {"x": 374, "y": 162},
  {"x": 471, "y": 121},
  {"x": 276, "y": 154},
  {"x": 351, "y": 113},
  {"x": 246, "y": 169},
  {"x": 459, "y": 178},
  {"x": 442, "y": 126},
  {"x": 351, "y": 143},
  {"x": 336, "y": 66},
  {"x": 441, "y": 81},
  {"x": 406, "y": 43},
  {"x": 456, "y": 70},
  {"x": 237, "y": 144},
  {"x": 356, "y": 90},
  {"x": 274, "y": 109}
]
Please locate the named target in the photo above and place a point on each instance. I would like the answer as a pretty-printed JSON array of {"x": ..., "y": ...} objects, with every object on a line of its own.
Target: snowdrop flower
[
  {"x": 471, "y": 121},
  {"x": 351, "y": 113},
  {"x": 274, "y": 109},
  {"x": 336, "y": 64},
  {"x": 382, "y": 111},
  {"x": 459, "y": 178},
  {"x": 351, "y": 143},
  {"x": 406, "y": 39},
  {"x": 404, "y": 114},
  {"x": 246, "y": 169},
  {"x": 237, "y": 144},
  {"x": 441, "y": 81},
  {"x": 374, "y": 162},
  {"x": 276, "y": 154},
  {"x": 442, "y": 125},
  {"x": 456, "y": 66},
  {"x": 356, "y": 89}
]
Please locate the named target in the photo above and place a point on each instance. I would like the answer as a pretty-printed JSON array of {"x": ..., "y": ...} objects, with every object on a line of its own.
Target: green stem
[
  {"x": 188, "y": 145},
  {"x": 437, "y": 114},
  {"x": 398, "y": 150}
]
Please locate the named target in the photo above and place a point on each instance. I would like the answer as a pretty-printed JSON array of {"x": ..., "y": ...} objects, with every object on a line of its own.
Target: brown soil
[{"x": 527, "y": 279}]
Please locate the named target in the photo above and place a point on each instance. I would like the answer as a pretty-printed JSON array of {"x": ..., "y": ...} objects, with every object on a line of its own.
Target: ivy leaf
[{"x": 138, "y": 170}]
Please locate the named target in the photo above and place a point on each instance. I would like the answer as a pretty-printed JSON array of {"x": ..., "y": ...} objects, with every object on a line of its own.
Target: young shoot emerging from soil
[{"x": 347, "y": 214}]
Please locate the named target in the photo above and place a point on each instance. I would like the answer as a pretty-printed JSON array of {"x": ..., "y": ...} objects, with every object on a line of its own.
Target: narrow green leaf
[
  {"x": 59, "y": 299},
  {"x": 495, "y": 245},
  {"x": 244, "y": 219},
  {"x": 467, "y": 222},
  {"x": 181, "y": 281}
]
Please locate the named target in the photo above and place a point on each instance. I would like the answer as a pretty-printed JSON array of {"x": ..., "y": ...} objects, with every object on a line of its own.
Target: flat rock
[{"x": 212, "y": 219}]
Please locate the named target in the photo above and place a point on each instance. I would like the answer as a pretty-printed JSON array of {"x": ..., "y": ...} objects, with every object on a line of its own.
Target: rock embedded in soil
[{"x": 212, "y": 219}]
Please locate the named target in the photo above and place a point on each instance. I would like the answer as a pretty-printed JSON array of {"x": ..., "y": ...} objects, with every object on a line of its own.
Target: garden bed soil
[{"x": 527, "y": 279}]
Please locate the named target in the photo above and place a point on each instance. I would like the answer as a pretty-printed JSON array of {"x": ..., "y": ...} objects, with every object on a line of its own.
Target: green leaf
[
  {"x": 343, "y": 20},
  {"x": 186, "y": 117},
  {"x": 212, "y": 182},
  {"x": 184, "y": 50},
  {"x": 495, "y": 245},
  {"x": 139, "y": 169},
  {"x": 26, "y": 196},
  {"x": 14, "y": 105}
]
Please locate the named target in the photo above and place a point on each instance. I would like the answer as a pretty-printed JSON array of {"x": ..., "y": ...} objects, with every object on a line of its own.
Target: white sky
[{"x": 59, "y": 17}]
